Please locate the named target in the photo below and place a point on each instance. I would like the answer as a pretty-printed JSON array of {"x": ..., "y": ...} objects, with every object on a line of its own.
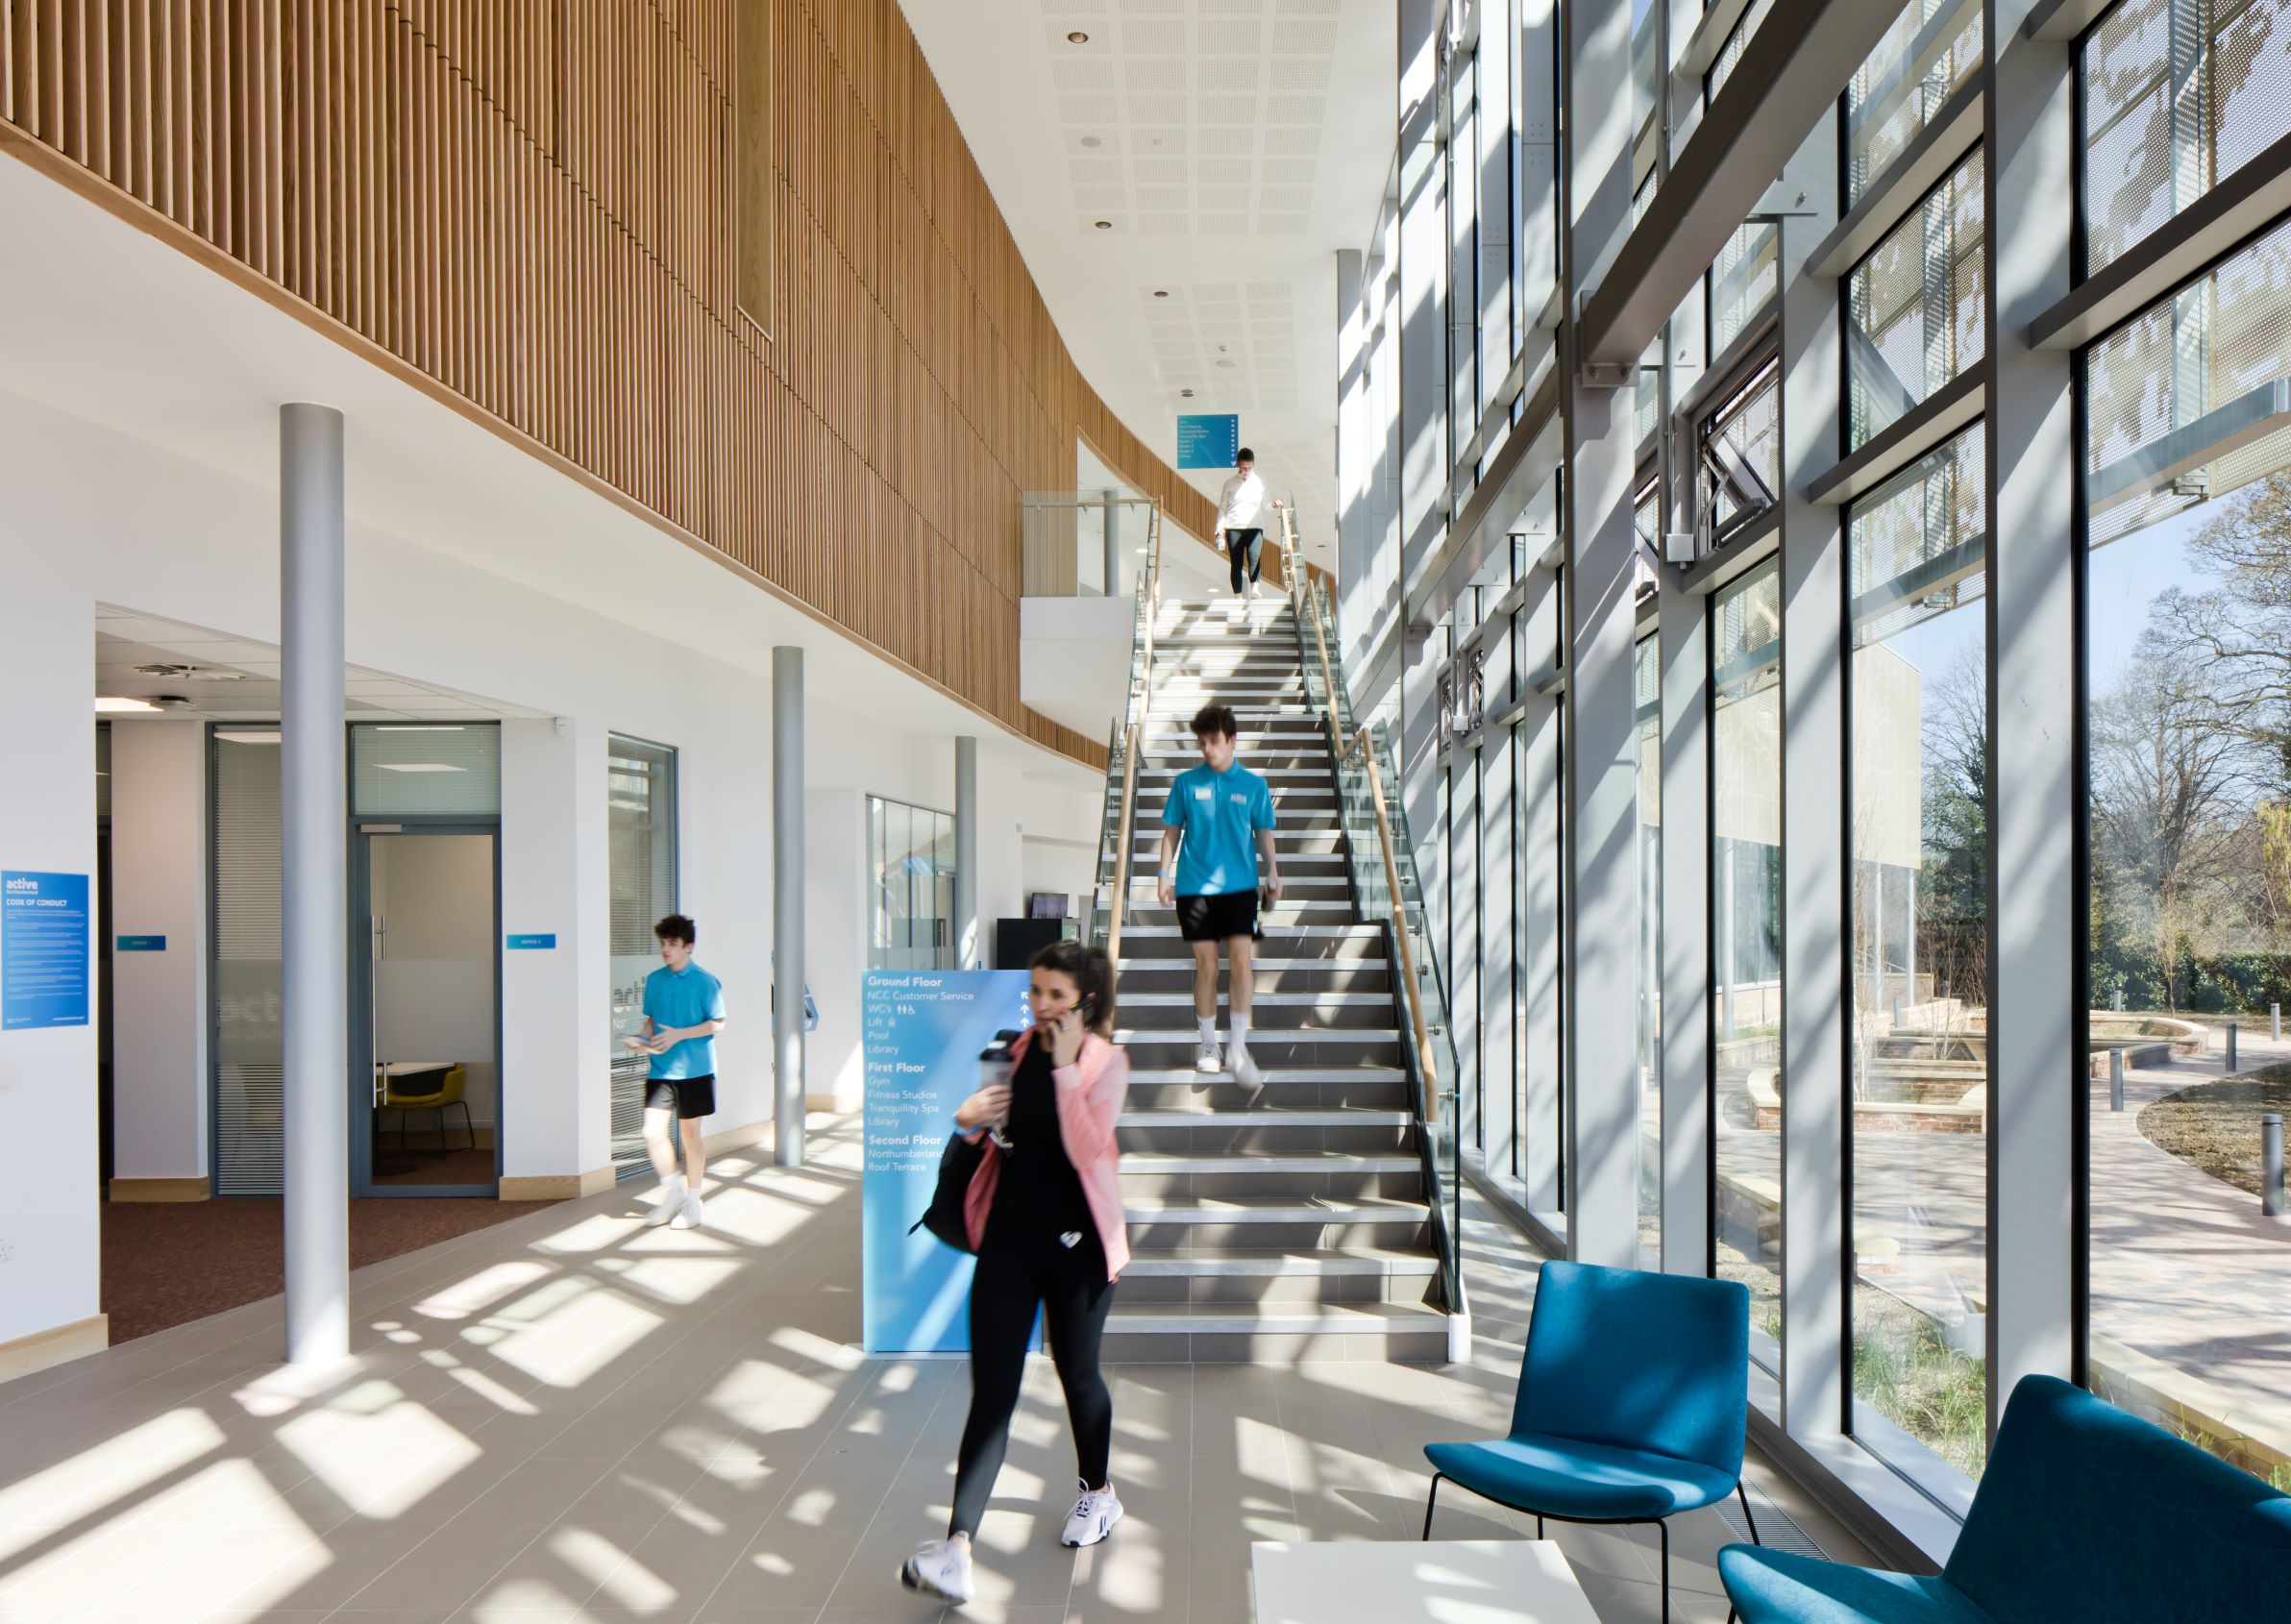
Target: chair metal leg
[
  {"x": 1662, "y": 1529},
  {"x": 1539, "y": 1528},
  {"x": 469, "y": 1126},
  {"x": 1744, "y": 1496},
  {"x": 1428, "y": 1499}
]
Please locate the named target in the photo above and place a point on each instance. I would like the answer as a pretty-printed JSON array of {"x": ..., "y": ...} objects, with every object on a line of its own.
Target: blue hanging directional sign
[
  {"x": 1208, "y": 442},
  {"x": 43, "y": 950}
]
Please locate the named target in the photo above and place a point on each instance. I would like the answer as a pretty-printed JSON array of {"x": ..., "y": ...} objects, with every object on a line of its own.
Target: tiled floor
[{"x": 569, "y": 1417}]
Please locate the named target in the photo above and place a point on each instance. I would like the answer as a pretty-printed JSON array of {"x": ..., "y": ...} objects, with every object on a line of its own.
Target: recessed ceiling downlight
[
  {"x": 1103, "y": 225},
  {"x": 1077, "y": 37}
]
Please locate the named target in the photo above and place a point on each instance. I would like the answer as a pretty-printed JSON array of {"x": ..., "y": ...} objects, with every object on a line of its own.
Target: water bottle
[{"x": 996, "y": 1066}]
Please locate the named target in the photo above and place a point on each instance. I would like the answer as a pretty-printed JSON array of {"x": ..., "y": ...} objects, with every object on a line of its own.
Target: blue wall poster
[
  {"x": 1208, "y": 442},
  {"x": 921, "y": 1032},
  {"x": 43, "y": 950}
]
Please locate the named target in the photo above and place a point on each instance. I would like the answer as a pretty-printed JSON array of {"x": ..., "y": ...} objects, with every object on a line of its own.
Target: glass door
[{"x": 425, "y": 1010}]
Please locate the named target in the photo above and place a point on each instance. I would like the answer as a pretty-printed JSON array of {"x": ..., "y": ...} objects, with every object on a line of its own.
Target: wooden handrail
[{"x": 1391, "y": 879}]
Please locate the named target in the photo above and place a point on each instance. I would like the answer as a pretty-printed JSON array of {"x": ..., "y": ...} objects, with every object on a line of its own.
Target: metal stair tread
[
  {"x": 1267, "y": 1036},
  {"x": 1167, "y": 1162},
  {"x": 1203, "y": 1319},
  {"x": 1275, "y": 1077},
  {"x": 1362, "y": 932},
  {"x": 1259, "y": 1263},
  {"x": 1255, "y": 1115},
  {"x": 1272, "y": 1209},
  {"x": 1132, "y": 999}
]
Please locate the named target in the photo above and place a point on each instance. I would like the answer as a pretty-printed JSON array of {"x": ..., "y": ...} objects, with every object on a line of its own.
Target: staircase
[{"x": 1292, "y": 1224}]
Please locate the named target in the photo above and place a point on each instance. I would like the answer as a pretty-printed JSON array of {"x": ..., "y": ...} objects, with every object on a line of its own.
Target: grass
[
  {"x": 1903, "y": 1368},
  {"x": 2214, "y": 1127}
]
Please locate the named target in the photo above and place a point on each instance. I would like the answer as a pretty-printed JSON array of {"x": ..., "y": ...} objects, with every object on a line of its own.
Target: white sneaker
[
  {"x": 671, "y": 1202},
  {"x": 1208, "y": 1060},
  {"x": 1093, "y": 1517},
  {"x": 939, "y": 1568},
  {"x": 689, "y": 1213},
  {"x": 1245, "y": 1072}
]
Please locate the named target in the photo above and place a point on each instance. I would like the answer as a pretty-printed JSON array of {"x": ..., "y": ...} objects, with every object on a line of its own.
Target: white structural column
[
  {"x": 1500, "y": 924},
  {"x": 315, "y": 904},
  {"x": 787, "y": 907},
  {"x": 1423, "y": 412},
  {"x": 1684, "y": 945},
  {"x": 1540, "y": 889},
  {"x": 2037, "y": 1059},
  {"x": 1356, "y": 435},
  {"x": 1602, "y": 928},
  {"x": 1461, "y": 948},
  {"x": 1815, "y": 941},
  {"x": 970, "y": 933}
]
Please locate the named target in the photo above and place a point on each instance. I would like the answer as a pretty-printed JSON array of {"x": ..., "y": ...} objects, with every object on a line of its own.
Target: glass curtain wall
[
  {"x": 1916, "y": 307},
  {"x": 1746, "y": 941},
  {"x": 1919, "y": 960},
  {"x": 248, "y": 1067},
  {"x": 640, "y": 783},
  {"x": 910, "y": 853},
  {"x": 2187, "y": 517}
]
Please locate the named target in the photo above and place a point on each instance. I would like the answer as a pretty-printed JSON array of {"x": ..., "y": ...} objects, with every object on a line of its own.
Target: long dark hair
[{"x": 1092, "y": 976}]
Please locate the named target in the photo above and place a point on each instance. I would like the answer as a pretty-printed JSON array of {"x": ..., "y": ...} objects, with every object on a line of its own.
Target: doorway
[{"x": 425, "y": 1061}]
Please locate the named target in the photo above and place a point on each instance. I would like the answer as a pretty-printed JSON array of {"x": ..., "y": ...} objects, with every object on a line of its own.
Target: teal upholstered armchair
[
  {"x": 1633, "y": 1396},
  {"x": 2085, "y": 1514}
]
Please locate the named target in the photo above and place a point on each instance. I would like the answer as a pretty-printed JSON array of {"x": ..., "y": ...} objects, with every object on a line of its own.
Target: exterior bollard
[
  {"x": 2275, "y": 1022},
  {"x": 1897, "y": 1015},
  {"x": 2231, "y": 1046},
  {"x": 2119, "y": 1000},
  {"x": 2271, "y": 1165},
  {"x": 2115, "y": 1079}
]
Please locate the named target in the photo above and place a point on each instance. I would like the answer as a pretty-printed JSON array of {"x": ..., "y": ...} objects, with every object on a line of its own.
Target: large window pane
[
  {"x": 1742, "y": 283},
  {"x": 641, "y": 842},
  {"x": 910, "y": 852},
  {"x": 1738, "y": 41},
  {"x": 1649, "y": 756},
  {"x": 1746, "y": 940},
  {"x": 1914, "y": 306},
  {"x": 2187, "y": 471},
  {"x": 413, "y": 769},
  {"x": 1918, "y": 1134},
  {"x": 2179, "y": 94},
  {"x": 1741, "y": 454},
  {"x": 248, "y": 1063},
  {"x": 1932, "y": 48}
]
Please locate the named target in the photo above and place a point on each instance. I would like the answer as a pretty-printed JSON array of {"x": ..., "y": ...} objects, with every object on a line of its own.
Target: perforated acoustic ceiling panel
[
  {"x": 1193, "y": 117},
  {"x": 1204, "y": 119}
]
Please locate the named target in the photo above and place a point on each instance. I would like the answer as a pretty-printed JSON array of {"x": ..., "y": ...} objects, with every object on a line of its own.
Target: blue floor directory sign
[
  {"x": 43, "y": 950},
  {"x": 922, "y": 1031}
]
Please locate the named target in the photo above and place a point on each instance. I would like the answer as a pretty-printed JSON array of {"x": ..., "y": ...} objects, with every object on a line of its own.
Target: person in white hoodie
[{"x": 1240, "y": 534}]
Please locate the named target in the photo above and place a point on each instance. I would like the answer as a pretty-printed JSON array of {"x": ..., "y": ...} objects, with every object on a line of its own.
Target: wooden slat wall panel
[{"x": 531, "y": 203}]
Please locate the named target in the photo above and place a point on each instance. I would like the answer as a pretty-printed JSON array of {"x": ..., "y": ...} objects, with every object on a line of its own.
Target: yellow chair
[{"x": 448, "y": 1092}]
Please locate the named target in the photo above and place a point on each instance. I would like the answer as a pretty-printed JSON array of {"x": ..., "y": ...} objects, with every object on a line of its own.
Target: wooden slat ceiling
[{"x": 531, "y": 202}]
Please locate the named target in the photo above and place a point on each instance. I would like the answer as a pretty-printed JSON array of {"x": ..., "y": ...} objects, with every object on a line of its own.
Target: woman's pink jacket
[{"x": 1090, "y": 1095}]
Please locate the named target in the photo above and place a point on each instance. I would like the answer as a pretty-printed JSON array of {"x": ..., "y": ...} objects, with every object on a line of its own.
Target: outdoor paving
[{"x": 2184, "y": 1269}]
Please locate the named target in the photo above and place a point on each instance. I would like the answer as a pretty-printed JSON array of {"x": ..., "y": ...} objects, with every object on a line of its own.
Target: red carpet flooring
[{"x": 165, "y": 1263}]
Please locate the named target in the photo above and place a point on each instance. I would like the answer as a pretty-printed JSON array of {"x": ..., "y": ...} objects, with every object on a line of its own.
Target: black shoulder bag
[{"x": 944, "y": 1217}]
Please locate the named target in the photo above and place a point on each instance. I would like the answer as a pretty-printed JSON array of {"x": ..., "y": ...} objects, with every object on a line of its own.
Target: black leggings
[
  {"x": 1071, "y": 1286},
  {"x": 1246, "y": 549}
]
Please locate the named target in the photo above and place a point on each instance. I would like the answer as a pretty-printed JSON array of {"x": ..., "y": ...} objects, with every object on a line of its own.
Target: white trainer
[
  {"x": 671, "y": 1202},
  {"x": 1245, "y": 1071},
  {"x": 939, "y": 1568},
  {"x": 1093, "y": 1517},
  {"x": 689, "y": 1213},
  {"x": 1208, "y": 1060}
]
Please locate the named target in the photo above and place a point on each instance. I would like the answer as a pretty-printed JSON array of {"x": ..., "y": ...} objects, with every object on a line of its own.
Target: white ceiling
[
  {"x": 225, "y": 679},
  {"x": 1232, "y": 147}
]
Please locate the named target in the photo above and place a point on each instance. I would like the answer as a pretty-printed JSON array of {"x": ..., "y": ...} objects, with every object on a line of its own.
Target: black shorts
[
  {"x": 687, "y": 1097},
  {"x": 1218, "y": 919}
]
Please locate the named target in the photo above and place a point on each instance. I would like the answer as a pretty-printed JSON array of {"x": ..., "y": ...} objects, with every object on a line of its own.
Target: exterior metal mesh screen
[
  {"x": 1916, "y": 307},
  {"x": 2179, "y": 94},
  {"x": 1916, "y": 545},
  {"x": 1932, "y": 48}
]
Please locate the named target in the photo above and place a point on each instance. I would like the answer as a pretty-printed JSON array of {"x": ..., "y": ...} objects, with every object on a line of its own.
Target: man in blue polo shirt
[
  {"x": 683, "y": 1007},
  {"x": 1218, "y": 826}
]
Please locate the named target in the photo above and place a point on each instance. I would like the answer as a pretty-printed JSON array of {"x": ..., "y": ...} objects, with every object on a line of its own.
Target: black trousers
[
  {"x": 1013, "y": 1274},
  {"x": 1246, "y": 549}
]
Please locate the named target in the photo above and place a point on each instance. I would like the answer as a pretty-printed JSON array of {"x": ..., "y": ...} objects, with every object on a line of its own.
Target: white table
[{"x": 1437, "y": 1582}]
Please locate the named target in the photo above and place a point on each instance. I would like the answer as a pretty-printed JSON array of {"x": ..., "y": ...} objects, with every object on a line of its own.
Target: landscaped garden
[{"x": 2215, "y": 1127}]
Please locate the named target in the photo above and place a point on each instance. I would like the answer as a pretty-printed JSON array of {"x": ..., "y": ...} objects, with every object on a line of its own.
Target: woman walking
[{"x": 1044, "y": 1214}]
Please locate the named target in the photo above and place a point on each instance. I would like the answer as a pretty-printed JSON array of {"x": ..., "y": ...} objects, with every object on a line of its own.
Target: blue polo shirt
[
  {"x": 1221, "y": 814},
  {"x": 683, "y": 998}
]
